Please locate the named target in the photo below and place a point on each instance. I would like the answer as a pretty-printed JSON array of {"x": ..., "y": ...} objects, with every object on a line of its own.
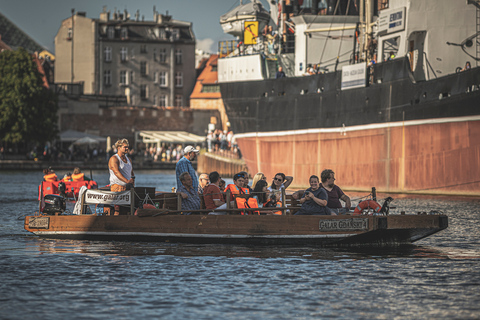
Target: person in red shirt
[{"x": 213, "y": 197}]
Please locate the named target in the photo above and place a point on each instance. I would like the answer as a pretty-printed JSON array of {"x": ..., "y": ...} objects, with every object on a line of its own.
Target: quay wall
[{"x": 226, "y": 167}]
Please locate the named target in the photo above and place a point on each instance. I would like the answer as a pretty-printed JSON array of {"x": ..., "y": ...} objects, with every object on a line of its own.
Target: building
[
  {"x": 152, "y": 63},
  {"x": 206, "y": 93}
]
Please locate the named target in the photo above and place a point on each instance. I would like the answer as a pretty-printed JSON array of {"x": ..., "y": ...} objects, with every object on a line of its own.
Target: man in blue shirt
[
  {"x": 185, "y": 165},
  {"x": 190, "y": 198}
]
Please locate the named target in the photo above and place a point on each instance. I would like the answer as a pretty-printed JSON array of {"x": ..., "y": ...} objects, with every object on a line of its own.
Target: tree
[{"x": 28, "y": 110}]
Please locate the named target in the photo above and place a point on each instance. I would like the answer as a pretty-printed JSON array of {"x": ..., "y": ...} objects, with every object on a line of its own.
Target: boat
[
  {"x": 166, "y": 222},
  {"x": 390, "y": 103},
  {"x": 233, "y": 21}
]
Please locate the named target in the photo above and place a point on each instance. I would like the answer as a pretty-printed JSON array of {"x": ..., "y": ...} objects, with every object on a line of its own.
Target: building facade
[{"x": 152, "y": 63}]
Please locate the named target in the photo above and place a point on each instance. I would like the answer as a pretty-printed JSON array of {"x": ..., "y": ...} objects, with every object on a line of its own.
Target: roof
[
  {"x": 170, "y": 136},
  {"x": 15, "y": 37},
  {"x": 72, "y": 136},
  {"x": 207, "y": 77}
]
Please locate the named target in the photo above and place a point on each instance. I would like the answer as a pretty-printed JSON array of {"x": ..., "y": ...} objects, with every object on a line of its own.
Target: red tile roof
[{"x": 207, "y": 77}]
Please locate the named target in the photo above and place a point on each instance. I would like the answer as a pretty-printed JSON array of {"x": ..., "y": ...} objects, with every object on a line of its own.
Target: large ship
[{"x": 385, "y": 93}]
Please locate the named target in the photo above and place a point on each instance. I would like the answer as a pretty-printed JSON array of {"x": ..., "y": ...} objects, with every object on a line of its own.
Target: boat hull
[{"x": 234, "y": 229}]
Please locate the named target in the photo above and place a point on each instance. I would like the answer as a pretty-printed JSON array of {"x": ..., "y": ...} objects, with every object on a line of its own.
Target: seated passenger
[
  {"x": 245, "y": 181},
  {"x": 67, "y": 177},
  {"x": 78, "y": 175},
  {"x": 221, "y": 184},
  {"x": 314, "y": 200},
  {"x": 280, "y": 181},
  {"x": 259, "y": 176},
  {"x": 49, "y": 175},
  {"x": 190, "y": 198},
  {"x": 237, "y": 187},
  {"x": 202, "y": 182},
  {"x": 335, "y": 194},
  {"x": 213, "y": 196}
]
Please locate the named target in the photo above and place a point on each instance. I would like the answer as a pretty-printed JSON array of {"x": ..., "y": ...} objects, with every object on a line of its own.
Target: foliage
[{"x": 28, "y": 110}]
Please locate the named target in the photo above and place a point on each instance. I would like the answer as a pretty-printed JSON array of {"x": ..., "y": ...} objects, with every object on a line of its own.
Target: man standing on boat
[
  {"x": 120, "y": 167},
  {"x": 280, "y": 74},
  {"x": 185, "y": 165},
  {"x": 335, "y": 194}
]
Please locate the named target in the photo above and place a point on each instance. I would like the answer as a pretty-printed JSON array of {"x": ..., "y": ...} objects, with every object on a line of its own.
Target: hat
[{"x": 189, "y": 149}]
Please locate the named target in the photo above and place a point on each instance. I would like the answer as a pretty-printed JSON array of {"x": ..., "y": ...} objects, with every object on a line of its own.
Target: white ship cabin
[{"x": 438, "y": 36}]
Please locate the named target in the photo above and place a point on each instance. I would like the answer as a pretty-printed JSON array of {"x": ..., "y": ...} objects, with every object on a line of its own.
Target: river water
[{"x": 437, "y": 278}]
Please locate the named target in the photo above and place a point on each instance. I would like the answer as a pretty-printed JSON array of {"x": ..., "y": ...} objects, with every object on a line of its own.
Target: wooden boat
[{"x": 168, "y": 224}]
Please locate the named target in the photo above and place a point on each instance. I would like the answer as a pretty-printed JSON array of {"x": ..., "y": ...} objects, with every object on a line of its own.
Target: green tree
[{"x": 28, "y": 110}]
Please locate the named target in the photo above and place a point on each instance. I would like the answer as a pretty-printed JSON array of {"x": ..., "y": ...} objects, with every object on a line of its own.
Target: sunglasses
[{"x": 277, "y": 179}]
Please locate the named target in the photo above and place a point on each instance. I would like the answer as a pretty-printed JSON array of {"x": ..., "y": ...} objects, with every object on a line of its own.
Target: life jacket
[
  {"x": 236, "y": 190},
  {"x": 78, "y": 177},
  {"x": 268, "y": 204},
  {"x": 67, "y": 178},
  {"x": 249, "y": 202},
  {"x": 50, "y": 177}
]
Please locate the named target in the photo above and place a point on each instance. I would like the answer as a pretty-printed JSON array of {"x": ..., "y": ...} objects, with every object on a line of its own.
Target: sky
[{"x": 41, "y": 19}]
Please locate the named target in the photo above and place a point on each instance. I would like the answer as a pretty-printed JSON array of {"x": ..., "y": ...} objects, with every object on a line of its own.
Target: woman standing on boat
[{"x": 120, "y": 167}]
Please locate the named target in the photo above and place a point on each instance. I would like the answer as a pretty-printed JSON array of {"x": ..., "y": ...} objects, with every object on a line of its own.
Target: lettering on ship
[{"x": 354, "y": 224}]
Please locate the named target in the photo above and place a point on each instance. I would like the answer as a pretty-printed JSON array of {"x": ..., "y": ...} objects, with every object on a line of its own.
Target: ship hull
[{"x": 395, "y": 134}]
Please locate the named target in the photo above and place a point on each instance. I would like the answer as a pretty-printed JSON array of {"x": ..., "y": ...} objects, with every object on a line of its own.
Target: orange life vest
[
  {"x": 279, "y": 204},
  {"x": 78, "y": 177},
  {"x": 50, "y": 177},
  {"x": 251, "y": 202},
  {"x": 236, "y": 190}
]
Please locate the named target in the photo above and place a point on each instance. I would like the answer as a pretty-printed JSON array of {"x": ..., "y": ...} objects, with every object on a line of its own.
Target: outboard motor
[{"x": 54, "y": 204}]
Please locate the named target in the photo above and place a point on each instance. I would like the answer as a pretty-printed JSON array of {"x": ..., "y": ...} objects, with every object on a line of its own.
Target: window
[
  {"x": 175, "y": 34},
  {"x": 154, "y": 100},
  {"x": 143, "y": 91},
  {"x": 124, "y": 33},
  {"x": 390, "y": 48},
  {"x": 162, "y": 78},
  {"x": 210, "y": 88},
  {"x": 162, "y": 56},
  {"x": 155, "y": 77},
  {"x": 108, "y": 54},
  {"x": 107, "y": 77},
  {"x": 214, "y": 69},
  {"x": 382, "y": 4},
  {"x": 143, "y": 68},
  {"x": 132, "y": 53},
  {"x": 123, "y": 77},
  {"x": 111, "y": 33},
  {"x": 123, "y": 54},
  {"x": 179, "y": 79},
  {"x": 154, "y": 54},
  {"x": 178, "y": 100},
  {"x": 69, "y": 34},
  {"x": 178, "y": 56},
  {"x": 143, "y": 48},
  {"x": 162, "y": 101}
]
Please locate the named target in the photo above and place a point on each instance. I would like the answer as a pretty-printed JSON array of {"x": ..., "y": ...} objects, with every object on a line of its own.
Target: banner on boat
[
  {"x": 107, "y": 197},
  {"x": 354, "y": 76}
]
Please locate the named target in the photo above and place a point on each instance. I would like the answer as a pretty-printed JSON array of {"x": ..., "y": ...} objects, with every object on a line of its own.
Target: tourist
[
  {"x": 120, "y": 168},
  {"x": 237, "y": 187},
  {"x": 335, "y": 194},
  {"x": 78, "y": 175},
  {"x": 314, "y": 200},
  {"x": 185, "y": 165},
  {"x": 221, "y": 184},
  {"x": 280, "y": 181},
  {"x": 245, "y": 181},
  {"x": 49, "y": 175},
  {"x": 190, "y": 198},
  {"x": 67, "y": 177},
  {"x": 213, "y": 197},
  {"x": 260, "y": 192},
  {"x": 467, "y": 66},
  {"x": 259, "y": 176},
  {"x": 203, "y": 182}
]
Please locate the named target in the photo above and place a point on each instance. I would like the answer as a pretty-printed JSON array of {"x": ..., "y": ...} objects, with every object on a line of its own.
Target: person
[
  {"x": 78, "y": 175},
  {"x": 467, "y": 66},
  {"x": 120, "y": 168},
  {"x": 49, "y": 175},
  {"x": 237, "y": 187},
  {"x": 190, "y": 198},
  {"x": 280, "y": 181},
  {"x": 185, "y": 165},
  {"x": 259, "y": 176},
  {"x": 280, "y": 73},
  {"x": 260, "y": 192},
  {"x": 221, "y": 184},
  {"x": 335, "y": 194},
  {"x": 245, "y": 181},
  {"x": 314, "y": 200},
  {"x": 213, "y": 197},
  {"x": 67, "y": 177},
  {"x": 203, "y": 182}
]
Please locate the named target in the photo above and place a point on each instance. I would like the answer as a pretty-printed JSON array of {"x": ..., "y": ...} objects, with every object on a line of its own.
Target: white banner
[
  {"x": 354, "y": 76},
  {"x": 108, "y": 197}
]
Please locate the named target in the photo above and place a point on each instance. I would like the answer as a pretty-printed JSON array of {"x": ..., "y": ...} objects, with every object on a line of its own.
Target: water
[{"x": 438, "y": 277}]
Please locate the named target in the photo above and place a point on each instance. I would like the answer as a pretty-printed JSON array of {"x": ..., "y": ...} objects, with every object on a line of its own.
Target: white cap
[{"x": 189, "y": 149}]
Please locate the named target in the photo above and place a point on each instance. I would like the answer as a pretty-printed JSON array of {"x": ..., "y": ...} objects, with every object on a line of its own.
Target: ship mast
[{"x": 366, "y": 24}]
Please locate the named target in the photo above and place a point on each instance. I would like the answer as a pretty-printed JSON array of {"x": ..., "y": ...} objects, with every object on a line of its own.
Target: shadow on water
[{"x": 34, "y": 245}]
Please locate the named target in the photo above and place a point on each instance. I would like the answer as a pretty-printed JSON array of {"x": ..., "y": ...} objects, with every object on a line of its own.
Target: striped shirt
[{"x": 193, "y": 200}]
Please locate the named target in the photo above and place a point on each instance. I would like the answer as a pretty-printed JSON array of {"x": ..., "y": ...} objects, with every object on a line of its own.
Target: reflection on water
[{"x": 437, "y": 278}]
